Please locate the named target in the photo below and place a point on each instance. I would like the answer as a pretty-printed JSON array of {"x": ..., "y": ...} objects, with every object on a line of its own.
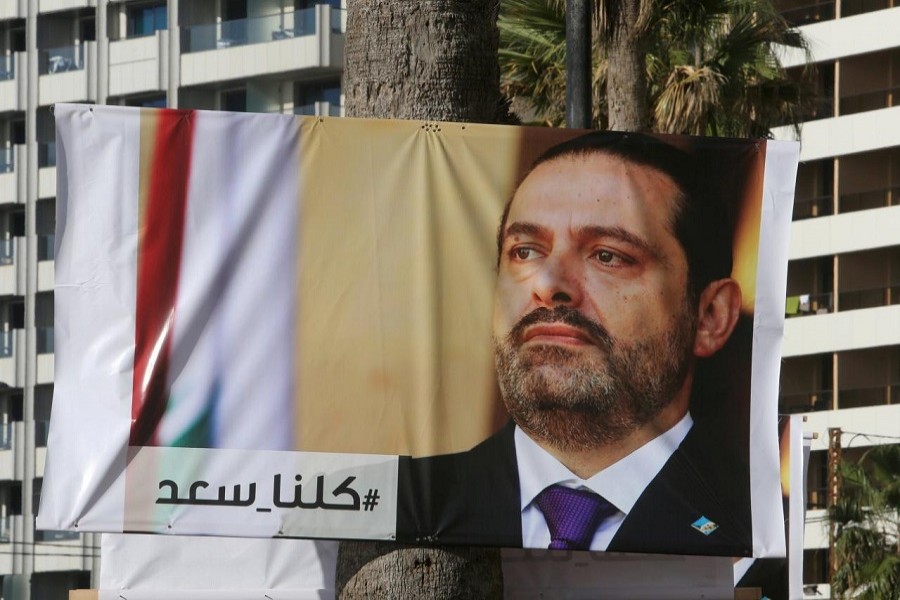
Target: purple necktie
[{"x": 572, "y": 516}]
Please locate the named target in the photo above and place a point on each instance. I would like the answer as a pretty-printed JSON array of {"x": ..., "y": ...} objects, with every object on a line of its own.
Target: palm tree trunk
[
  {"x": 376, "y": 570},
  {"x": 434, "y": 60},
  {"x": 428, "y": 59},
  {"x": 626, "y": 85}
]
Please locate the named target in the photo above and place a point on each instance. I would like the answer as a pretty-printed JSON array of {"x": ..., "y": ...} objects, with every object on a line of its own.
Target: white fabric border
[
  {"x": 768, "y": 329},
  {"x": 136, "y": 566},
  {"x": 96, "y": 274},
  {"x": 797, "y": 507}
]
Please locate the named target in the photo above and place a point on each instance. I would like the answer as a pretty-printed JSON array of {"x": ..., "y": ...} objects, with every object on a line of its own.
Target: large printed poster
[{"x": 437, "y": 333}]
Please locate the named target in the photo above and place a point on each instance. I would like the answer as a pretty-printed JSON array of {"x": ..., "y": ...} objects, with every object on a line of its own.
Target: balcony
[
  {"x": 880, "y": 395},
  {"x": 12, "y": 181},
  {"x": 255, "y": 30},
  {"x": 12, "y": 267},
  {"x": 46, "y": 269},
  {"x": 46, "y": 169},
  {"x": 44, "y": 343},
  {"x": 820, "y": 304},
  {"x": 46, "y": 6},
  {"x": 12, "y": 89},
  {"x": 66, "y": 74},
  {"x": 12, "y": 361},
  {"x": 11, "y": 446},
  {"x": 844, "y": 233},
  {"x": 139, "y": 65},
  {"x": 876, "y": 198},
  {"x": 805, "y": 402},
  {"x": 867, "y": 101},
  {"x": 843, "y": 330},
  {"x": 319, "y": 109},
  {"x": 13, "y": 10},
  {"x": 305, "y": 39},
  {"x": 60, "y": 551},
  {"x": 810, "y": 208},
  {"x": 808, "y": 304},
  {"x": 813, "y": 12},
  {"x": 62, "y": 59}
]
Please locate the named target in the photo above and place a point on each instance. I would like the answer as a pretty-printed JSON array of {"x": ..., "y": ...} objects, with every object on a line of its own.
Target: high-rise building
[
  {"x": 280, "y": 56},
  {"x": 842, "y": 338}
]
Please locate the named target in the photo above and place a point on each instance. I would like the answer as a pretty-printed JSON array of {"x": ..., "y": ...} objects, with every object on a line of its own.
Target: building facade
[
  {"x": 842, "y": 338},
  {"x": 280, "y": 56}
]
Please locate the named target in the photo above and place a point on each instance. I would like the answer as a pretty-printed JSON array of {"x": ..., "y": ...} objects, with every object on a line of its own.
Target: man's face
[{"x": 593, "y": 325}]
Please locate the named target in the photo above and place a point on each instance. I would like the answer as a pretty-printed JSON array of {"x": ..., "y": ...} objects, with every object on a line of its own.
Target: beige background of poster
[
  {"x": 395, "y": 288},
  {"x": 397, "y": 265}
]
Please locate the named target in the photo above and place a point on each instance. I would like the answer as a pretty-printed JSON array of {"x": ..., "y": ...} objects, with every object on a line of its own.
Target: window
[
  {"x": 233, "y": 10},
  {"x": 46, "y": 228},
  {"x": 145, "y": 20},
  {"x": 147, "y": 101},
  {"x": 307, "y": 94},
  {"x": 17, "y": 131},
  {"x": 235, "y": 100},
  {"x": 43, "y": 321}
]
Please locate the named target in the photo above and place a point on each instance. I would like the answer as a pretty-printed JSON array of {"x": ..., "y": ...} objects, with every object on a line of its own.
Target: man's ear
[{"x": 718, "y": 311}]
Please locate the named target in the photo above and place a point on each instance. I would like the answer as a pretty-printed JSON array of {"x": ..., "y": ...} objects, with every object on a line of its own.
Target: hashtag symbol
[{"x": 370, "y": 500}]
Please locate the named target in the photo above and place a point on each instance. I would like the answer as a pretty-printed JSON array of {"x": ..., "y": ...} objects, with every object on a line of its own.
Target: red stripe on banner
[{"x": 159, "y": 261}]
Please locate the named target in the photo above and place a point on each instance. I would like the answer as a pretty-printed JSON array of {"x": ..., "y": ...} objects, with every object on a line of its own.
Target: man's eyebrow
[
  {"x": 520, "y": 228},
  {"x": 618, "y": 233}
]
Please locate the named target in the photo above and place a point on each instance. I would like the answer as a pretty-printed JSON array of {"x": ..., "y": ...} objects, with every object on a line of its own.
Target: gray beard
[{"x": 576, "y": 401}]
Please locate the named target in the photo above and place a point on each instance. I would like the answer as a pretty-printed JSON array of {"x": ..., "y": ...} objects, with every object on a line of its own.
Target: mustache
[{"x": 561, "y": 314}]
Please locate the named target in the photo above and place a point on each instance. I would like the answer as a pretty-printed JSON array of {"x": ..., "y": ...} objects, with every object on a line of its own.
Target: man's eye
[
  {"x": 608, "y": 257},
  {"x": 524, "y": 253}
]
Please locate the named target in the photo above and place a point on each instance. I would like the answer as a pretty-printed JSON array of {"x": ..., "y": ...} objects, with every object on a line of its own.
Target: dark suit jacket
[{"x": 472, "y": 498}]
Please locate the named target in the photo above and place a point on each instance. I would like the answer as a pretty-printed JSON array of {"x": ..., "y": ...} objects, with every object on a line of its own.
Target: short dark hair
[{"x": 703, "y": 219}]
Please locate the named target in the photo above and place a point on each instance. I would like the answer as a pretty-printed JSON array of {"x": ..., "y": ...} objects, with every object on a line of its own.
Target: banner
[
  {"x": 269, "y": 325},
  {"x": 777, "y": 577}
]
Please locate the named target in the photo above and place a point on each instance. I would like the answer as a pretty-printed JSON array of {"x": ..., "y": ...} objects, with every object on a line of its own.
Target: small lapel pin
[{"x": 704, "y": 526}]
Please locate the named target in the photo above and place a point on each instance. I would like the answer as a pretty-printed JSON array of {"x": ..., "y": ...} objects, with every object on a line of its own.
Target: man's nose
[{"x": 558, "y": 283}]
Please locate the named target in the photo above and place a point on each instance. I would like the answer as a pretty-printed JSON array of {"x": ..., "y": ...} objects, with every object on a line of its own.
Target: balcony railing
[
  {"x": 804, "y": 402},
  {"x": 41, "y": 535},
  {"x": 6, "y": 436},
  {"x": 858, "y": 103},
  {"x": 47, "y": 154},
  {"x": 877, "y": 198},
  {"x": 6, "y": 529},
  {"x": 817, "y": 498},
  {"x": 337, "y": 20},
  {"x": 808, "y": 304},
  {"x": 858, "y": 7},
  {"x": 242, "y": 32},
  {"x": 7, "y": 67},
  {"x": 847, "y": 398},
  {"x": 333, "y": 110},
  {"x": 869, "y": 396},
  {"x": 61, "y": 60},
  {"x": 809, "y": 208},
  {"x": 821, "y": 206},
  {"x": 7, "y": 338},
  {"x": 45, "y": 340},
  {"x": 810, "y": 13},
  {"x": 7, "y": 251},
  {"x": 7, "y": 160},
  {"x": 869, "y": 298},
  {"x": 822, "y": 303}
]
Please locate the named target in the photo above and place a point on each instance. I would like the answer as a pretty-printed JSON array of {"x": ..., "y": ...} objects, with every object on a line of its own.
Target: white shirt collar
[{"x": 620, "y": 483}]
